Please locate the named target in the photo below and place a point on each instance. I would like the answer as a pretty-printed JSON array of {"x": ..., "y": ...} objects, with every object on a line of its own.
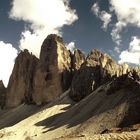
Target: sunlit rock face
[
  {"x": 2, "y": 94},
  {"x": 40, "y": 80},
  {"x": 20, "y": 86},
  {"x": 78, "y": 59},
  {"x": 53, "y": 75},
  {"x": 98, "y": 68},
  {"x": 43, "y": 80}
]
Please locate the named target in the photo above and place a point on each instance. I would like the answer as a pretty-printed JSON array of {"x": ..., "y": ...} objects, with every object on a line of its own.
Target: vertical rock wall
[{"x": 20, "y": 86}]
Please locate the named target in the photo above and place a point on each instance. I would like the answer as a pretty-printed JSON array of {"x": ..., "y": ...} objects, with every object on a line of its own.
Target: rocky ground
[{"x": 57, "y": 120}]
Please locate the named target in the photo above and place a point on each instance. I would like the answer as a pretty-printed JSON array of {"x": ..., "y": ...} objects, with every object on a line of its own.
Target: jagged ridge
[{"x": 104, "y": 94}]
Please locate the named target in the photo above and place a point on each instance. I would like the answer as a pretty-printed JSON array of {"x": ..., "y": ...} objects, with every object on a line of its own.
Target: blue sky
[{"x": 111, "y": 26}]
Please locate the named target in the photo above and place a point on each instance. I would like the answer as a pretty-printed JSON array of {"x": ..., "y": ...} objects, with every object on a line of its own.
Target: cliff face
[
  {"x": 20, "y": 85},
  {"x": 107, "y": 94},
  {"x": 2, "y": 94},
  {"x": 53, "y": 75},
  {"x": 91, "y": 73},
  {"x": 97, "y": 69},
  {"x": 40, "y": 81},
  {"x": 78, "y": 59},
  {"x": 43, "y": 80},
  {"x": 113, "y": 105}
]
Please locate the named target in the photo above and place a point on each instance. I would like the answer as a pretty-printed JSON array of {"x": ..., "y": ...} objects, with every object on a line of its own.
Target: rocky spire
[
  {"x": 53, "y": 75},
  {"x": 20, "y": 85},
  {"x": 43, "y": 80},
  {"x": 99, "y": 68},
  {"x": 2, "y": 94},
  {"x": 78, "y": 59}
]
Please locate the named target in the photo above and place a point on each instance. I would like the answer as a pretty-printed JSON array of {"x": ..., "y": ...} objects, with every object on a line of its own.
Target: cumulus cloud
[
  {"x": 7, "y": 57},
  {"x": 44, "y": 17},
  {"x": 116, "y": 32},
  {"x": 135, "y": 44},
  {"x": 102, "y": 15},
  {"x": 126, "y": 10},
  {"x": 117, "y": 49},
  {"x": 127, "y": 13},
  {"x": 71, "y": 46},
  {"x": 132, "y": 54},
  {"x": 95, "y": 9},
  {"x": 106, "y": 18}
]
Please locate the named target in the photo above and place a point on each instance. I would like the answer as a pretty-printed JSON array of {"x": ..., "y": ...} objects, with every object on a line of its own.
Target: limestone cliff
[
  {"x": 98, "y": 69},
  {"x": 43, "y": 80},
  {"x": 2, "y": 94},
  {"x": 78, "y": 59},
  {"x": 53, "y": 75},
  {"x": 20, "y": 86}
]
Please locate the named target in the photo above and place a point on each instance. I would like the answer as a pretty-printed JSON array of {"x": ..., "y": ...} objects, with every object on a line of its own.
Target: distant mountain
[{"x": 64, "y": 95}]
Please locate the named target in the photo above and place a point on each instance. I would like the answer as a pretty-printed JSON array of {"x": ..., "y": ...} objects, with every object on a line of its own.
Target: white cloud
[
  {"x": 117, "y": 50},
  {"x": 32, "y": 41},
  {"x": 106, "y": 18},
  {"x": 71, "y": 46},
  {"x": 116, "y": 37},
  {"x": 135, "y": 45},
  {"x": 44, "y": 17},
  {"x": 102, "y": 15},
  {"x": 132, "y": 54},
  {"x": 128, "y": 14},
  {"x": 126, "y": 10},
  {"x": 7, "y": 57},
  {"x": 95, "y": 9}
]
